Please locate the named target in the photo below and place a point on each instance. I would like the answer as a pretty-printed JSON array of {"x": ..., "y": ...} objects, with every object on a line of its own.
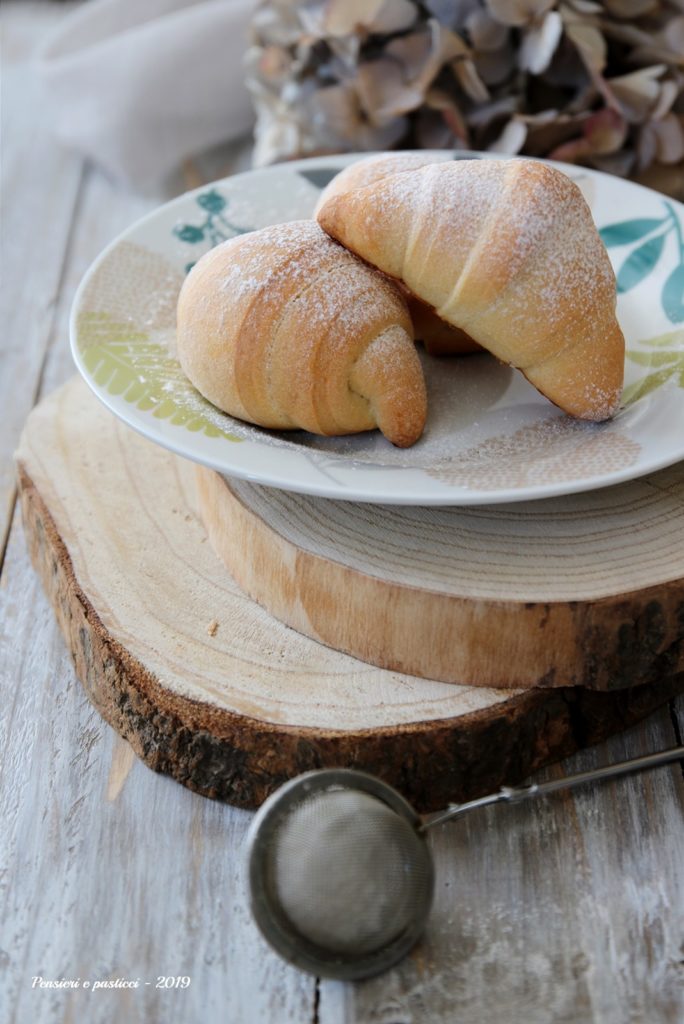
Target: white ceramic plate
[{"x": 491, "y": 437}]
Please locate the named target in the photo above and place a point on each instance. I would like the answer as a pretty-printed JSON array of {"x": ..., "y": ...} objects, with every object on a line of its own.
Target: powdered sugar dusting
[
  {"x": 280, "y": 259},
  {"x": 368, "y": 171},
  {"x": 272, "y": 324},
  {"x": 263, "y": 257},
  {"x": 507, "y": 251},
  {"x": 538, "y": 214},
  {"x": 293, "y": 252}
]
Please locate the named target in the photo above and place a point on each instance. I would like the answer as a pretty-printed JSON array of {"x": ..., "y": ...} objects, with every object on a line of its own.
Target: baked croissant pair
[{"x": 287, "y": 328}]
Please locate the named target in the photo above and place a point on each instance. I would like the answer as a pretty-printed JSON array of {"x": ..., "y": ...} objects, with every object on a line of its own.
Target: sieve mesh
[{"x": 348, "y": 872}]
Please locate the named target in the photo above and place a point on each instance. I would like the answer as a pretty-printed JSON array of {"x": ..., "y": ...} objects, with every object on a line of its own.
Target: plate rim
[{"x": 445, "y": 495}]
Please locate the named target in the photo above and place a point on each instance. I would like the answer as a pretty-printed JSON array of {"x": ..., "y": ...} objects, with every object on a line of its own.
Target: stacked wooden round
[{"x": 237, "y": 635}]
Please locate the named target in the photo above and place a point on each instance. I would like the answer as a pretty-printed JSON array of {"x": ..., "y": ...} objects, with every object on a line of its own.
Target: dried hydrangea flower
[{"x": 595, "y": 83}]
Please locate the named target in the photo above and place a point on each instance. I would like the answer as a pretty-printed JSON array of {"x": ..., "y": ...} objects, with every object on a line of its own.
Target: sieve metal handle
[{"x": 513, "y": 795}]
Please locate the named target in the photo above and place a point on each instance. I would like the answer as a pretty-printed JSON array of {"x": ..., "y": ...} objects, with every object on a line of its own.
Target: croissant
[
  {"x": 507, "y": 251},
  {"x": 284, "y": 328},
  {"x": 438, "y": 337}
]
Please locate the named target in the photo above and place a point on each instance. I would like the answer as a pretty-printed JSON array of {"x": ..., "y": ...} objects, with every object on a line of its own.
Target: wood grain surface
[
  {"x": 568, "y": 911},
  {"x": 584, "y": 590},
  {"x": 207, "y": 687}
]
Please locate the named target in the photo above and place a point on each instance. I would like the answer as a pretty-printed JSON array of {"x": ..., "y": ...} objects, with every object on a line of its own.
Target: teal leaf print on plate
[
  {"x": 642, "y": 260},
  {"x": 215, "y": 227},
  {"x": 212, "y": 201},
  {"x": 673, "y": 295},
  {"x": 189, "y": 233},
  {"x": 629, "y": 230},
  {"x": 639, "y": 263}
]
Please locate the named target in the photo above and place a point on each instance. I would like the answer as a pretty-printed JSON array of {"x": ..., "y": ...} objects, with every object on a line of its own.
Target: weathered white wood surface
[
  {"x": 40, "y": 186},
  {"x": 570, "y": 911}
]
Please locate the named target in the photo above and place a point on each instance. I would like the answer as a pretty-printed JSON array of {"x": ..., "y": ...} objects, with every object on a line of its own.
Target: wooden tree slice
[
  {"x": 584, "y": 590},
  {"x": 206, "y": 686}
]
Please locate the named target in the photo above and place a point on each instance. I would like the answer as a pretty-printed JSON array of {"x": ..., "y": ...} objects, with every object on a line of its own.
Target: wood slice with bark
[
  {"x": 582, "y": 590},
  {"x": 209, "y": 688}
]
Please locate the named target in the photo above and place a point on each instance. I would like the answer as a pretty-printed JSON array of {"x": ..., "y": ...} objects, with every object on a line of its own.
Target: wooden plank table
[{"x": 569, "y": 910}]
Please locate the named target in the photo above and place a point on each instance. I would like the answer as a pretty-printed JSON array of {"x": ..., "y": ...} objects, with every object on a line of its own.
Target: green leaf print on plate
[
  {"x": 644, "y": 258},
  {"x": 665, "y": 356},
  {"x": 124, "y": 362}
]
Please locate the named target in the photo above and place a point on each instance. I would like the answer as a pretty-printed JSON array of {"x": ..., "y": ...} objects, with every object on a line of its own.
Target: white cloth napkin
[{"x": 138, "y": 85}]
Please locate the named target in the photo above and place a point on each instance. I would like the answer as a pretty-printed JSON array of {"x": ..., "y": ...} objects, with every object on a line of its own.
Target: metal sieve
[{"x": 341, "y": 877}]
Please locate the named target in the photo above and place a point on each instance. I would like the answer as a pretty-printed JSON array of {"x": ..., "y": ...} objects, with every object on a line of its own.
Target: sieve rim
[{"x": 271, "y": 921}]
